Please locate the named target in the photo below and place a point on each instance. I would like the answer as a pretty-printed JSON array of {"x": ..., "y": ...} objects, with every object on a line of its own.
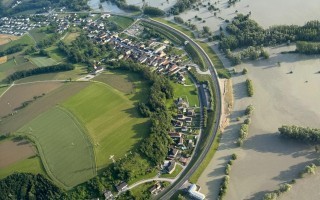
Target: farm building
[{"x": 122, "y": 186}]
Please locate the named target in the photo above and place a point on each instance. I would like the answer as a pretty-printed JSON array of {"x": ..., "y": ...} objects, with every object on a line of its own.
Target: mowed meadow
[
  {"x": 63, "y": 145},
  {"x": 112, "y": 121}
]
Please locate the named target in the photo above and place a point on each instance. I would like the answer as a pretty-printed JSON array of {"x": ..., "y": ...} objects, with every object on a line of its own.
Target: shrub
[
  {"x": 285, "y": 187},
  {"x": 234, "y": 156},
  {"x": 228, "y": 169},
  {"x": 244, "y": 71},
  {"x": 249, "y": 87},
  {"x": 247, "y": 121},
  {"x": 249, "y": 110}
]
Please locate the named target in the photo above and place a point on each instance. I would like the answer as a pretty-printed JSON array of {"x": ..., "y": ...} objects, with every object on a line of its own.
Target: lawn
[
  {"x": 30, "y": 165},
  {"x": 142, "y": 191},
  {"x": 112, "y": 120},
  {"x": 25, "y": 40},
  {"x": 188, "y": 92},
  {"x": 43, "y": 61},
  {"x": 65, "y": 150},
  {"x": 175, "y": 173},
  {"x": 123, "y": 22}
]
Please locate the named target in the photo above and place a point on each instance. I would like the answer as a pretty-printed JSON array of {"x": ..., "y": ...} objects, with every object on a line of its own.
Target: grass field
[
  {"x": 43, "y": 61},
  {"x": 3, "y": 89},
  {"x": 123, "y": 22},
  {"x": 63, "y": 145},
  {"x": 189, "y": 92},
  {"x": 118, "y": 81},
  {"x": 14, "y": 65},
  {"x": 111, "y": 119},
  {"x": 55, "y": 53},
  {"x": 70, "y": 37},
  {"x": 25, "y": 39},
  {"x": 38, "y": 34},
  {"x": 175, "y": 173},
  {"x": 30, "y": 165}
]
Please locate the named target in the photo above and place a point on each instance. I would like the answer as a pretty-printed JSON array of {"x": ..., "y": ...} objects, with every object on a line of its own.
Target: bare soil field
[
  {"x": 4, "y": 39},
  {"x": 307, "y": 188},
  {"x": 13, "y": 123},
  {"x": 280, "y": 97},
  {"x": 13, "y": 151},
  {"x": 13, "y": 99}
]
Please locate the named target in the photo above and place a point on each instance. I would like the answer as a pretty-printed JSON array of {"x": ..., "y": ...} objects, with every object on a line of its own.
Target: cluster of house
[
  {"x": 17, "y": 25},
  {"x": 150, "y": 52},
  {"x": 182, "y": 124}
]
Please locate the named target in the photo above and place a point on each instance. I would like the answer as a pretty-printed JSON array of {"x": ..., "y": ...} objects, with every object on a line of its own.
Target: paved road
[{"x": 199, "y": 154}]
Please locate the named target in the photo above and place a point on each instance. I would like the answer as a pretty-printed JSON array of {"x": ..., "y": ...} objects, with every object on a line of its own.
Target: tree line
[
  {"x": 13, "y": 49},
  {"x": 311, "y": 135},
  {"x": 36, "y": 71},
  {"x": 308, "y": 47}
]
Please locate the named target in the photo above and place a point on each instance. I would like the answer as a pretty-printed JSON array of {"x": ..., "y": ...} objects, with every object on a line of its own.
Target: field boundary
[{"x": 84, "y": 130}]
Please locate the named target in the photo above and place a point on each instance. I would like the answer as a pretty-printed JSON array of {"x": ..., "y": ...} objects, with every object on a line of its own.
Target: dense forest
[
  {"x": 152, "y": 11},
  {"x": 40, "y": 70},
  {"x": 28, "y": 186},
  {"x": 311, "y": 135}
]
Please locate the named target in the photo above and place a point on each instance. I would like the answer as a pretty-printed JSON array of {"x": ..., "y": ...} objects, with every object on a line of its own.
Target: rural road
[{"x": 187, "y": 173}]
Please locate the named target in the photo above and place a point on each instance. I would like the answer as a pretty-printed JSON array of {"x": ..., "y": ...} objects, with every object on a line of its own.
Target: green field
[
  {"x": 43, "y": 61},
  {"x": 111, "y": 119},
  {"x": 55, "y": 53},
  {"x": 12, "y": 66},
  {"x": 25, "y": 39},
  {"x": 70, "y": 37},
  {"x": 64, "y": 148},
  {"x": 188, "y": 91},
  {"x": 123, "y": 22},
  {"x": 30, "y": 165}
]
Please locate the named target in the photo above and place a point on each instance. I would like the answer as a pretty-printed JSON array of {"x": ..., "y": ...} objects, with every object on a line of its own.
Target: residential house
[
  {"x": 193, "y": 192},
  {"x": 171, "y": 167},
  {"x": 108, "y": 195},
  {"x": 122, "y": 186},
  {"x": 172, "y": 153},
  {"x": 154, "y": 190}
]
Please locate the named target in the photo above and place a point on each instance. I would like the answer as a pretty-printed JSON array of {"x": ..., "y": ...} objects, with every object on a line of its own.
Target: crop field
[
  {"x": 112, "y": 120},
  {"x": 70, "y": 37},
  {"x": 65, "y": 150},
  {"x": 25, "y": 115},
  {"x": 25, "y": 39},
  {"x": 13, "y": 151},
  {"x": 13, "y": 99},
  {"x": 29, "y": 165},
  {"x": 43, "y": 61}
]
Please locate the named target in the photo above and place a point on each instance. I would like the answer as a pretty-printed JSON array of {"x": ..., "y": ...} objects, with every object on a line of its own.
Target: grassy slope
[
  {"x": 111, "y": 118},
  {"x": 64, "y": 148},
  {"x": 70, "y": 37}
]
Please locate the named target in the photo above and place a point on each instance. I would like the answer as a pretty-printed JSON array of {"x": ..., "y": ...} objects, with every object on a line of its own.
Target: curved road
[{"x": 166, "y": 194}]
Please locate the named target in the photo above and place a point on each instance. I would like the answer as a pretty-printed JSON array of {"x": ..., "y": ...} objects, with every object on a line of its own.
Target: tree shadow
[
  {"x": 240, "y": 90},
  {"x": 274, "y": 143}
]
